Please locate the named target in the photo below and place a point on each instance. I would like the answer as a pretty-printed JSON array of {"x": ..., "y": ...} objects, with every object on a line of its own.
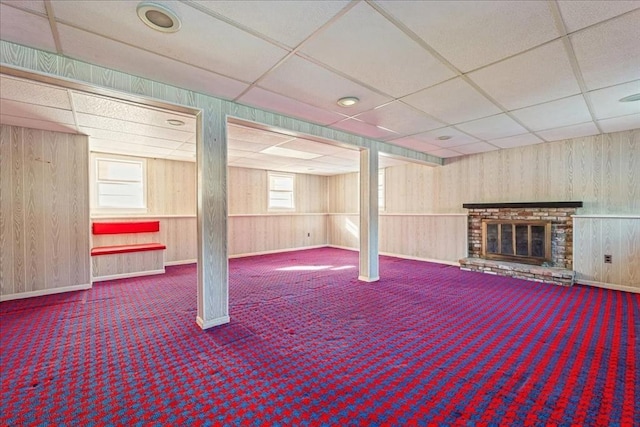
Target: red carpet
[{"x": 310, "y": 345}]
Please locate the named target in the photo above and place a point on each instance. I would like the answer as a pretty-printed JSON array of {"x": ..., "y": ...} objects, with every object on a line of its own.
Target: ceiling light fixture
[
  {"x": 631, "y": 98},
  {"x": 348, "y": 101},
  {"x": 175, "y": 122},
  {"x": 444, "y": 138},
  {"x": 158, "y": 17}
]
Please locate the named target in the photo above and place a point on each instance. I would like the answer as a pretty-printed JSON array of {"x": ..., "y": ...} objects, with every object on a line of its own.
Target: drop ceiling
[{"x": 487, "y": 74}]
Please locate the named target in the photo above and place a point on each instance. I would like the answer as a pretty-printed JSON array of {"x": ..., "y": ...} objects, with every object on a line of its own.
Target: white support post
[{"x": 369, "y": 216}]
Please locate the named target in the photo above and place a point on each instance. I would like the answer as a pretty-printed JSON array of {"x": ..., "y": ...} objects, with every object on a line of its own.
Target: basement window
[
  {"x": 281, "y": 187},
  {"x": 120, "y": 184}
]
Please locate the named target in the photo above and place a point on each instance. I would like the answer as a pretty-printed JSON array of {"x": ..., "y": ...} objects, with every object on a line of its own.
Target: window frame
[
  {"x": 96, "y": 181},
  {"x": 290, "y": 176}
]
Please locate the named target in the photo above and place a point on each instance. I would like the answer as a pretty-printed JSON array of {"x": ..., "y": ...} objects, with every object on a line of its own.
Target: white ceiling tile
[
  {"x": 30, "y": 5},
  {"x": 372, "y": 50},
  {"x": 540, "y": 75},
  {"x": 348, "y": 154},
  {"x": 516, "y": 141},
  {"x": 444, "y": 153},
  {"x": 471, "y": 34},
  {"x": 361, "y": 128},
  {"x": 249, "y": 147},
  {"x": 98, "y": 122},
  {"x": 289, "y": 22},
  {"x": 25, "y": 28},
  {"x": 270, "y": 101},
  {"x": 34, "y": 93},
  {"x": 414, "y": 143},
  {"x": 454, "y": 101},
  {"x": 314, "y": 85},
  {"x": 108, "y": 53},
  {"x": 578, "y": 14},
  {"x": 478, "y": 147},
  {"x": 494, "y": 127},
  {"x": 127, "y": 148},
  {"x": 335, "y": 161},
  {"x": 256, "y": 136},
  {"x": 609, "y": 53},
  {"x": 37, "y": 112},
  {"x": 606, "y": 102},
  {"x": 107, "y": 107},
  {"x": 617, "y": 124},
  {"x": 310, "y": 146},
  {"x": 563, "y": 112},
  {"x": 568, "y": 132},
  {"x": 110, "y": 135},
  {"x": 431, "y": 137},
  {"x": 203, "y": 41},
  {"x": 400, "y": 118},
  {"x": 36, "y": 124}
]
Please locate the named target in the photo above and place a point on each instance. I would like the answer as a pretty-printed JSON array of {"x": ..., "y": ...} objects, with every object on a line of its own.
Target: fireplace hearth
[{"x": 530, "y": 240}]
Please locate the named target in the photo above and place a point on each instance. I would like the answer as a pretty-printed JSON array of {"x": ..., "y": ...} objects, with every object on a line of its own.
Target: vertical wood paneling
[
  {"x": 17, "y": 203},
  {"x": 43, "y": 195},
  {"x": 616, "y": 236},
  {"x": 6, "y": 213},
  {"x": 56, "y": 205},
  {"x": 35, "y": 212},
  {"x": 630, "y": 252}
]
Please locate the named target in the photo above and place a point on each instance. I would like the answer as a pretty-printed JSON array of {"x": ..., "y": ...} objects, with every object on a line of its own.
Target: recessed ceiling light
[
  {"x": 175, "y": 122},
  {"x": 158, "y": 17},
  {"x": 631, "y": 98},
  {"x": 348, "y": 101},
  {"x": 444, "y": 137}
]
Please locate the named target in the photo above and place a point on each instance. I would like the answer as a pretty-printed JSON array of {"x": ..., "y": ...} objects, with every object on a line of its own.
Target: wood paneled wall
[
  {"x": 171, "y": 186},
  {"x": 603, "y": 171},
  {"x": 344, "y": 195},
  {"x": 44, "y": 211},
  {"x": 178, "y": 233},
  {"x": 253, "y": 234},
  {"x": 253, "y": 229},
  {"x": 597, "y": 236},
  {"x": 249, "y": 189}
]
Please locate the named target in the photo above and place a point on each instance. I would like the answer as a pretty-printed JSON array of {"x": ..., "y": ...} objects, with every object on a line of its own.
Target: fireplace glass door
[{"x": 520, "y": 241}]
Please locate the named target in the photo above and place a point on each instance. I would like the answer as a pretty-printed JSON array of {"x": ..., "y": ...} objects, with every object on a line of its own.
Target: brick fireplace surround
[{"x": 559, "y": 271}]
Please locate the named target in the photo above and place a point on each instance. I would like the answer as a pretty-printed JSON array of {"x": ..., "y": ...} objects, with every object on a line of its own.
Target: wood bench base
[{"x": 124, "y": 264}]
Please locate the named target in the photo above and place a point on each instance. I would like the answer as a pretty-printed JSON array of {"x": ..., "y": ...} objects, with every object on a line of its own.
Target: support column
[
  {"x": 213, "y": 264},
  {"x": 369, "y": 215}
]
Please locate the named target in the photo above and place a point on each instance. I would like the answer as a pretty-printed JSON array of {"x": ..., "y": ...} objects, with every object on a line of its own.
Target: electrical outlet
[
  {"x": 308, "y": 234},
  {"x": 607, "y": 259}
]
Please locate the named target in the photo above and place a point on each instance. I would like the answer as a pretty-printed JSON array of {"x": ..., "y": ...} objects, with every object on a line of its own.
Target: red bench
[{"x": 137, "y": 264}]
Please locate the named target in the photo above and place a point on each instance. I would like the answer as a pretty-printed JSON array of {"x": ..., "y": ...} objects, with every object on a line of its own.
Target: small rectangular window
[
  {"x": 120, "y": 184},
  {"x": 281, "y": 191},
  {"x": 381, "y": 189}
]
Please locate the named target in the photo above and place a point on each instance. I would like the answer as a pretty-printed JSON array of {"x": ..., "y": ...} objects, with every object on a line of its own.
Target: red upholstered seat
[
  {"x": 126, "y": 227},
  {"x": 121, "y": 249}
]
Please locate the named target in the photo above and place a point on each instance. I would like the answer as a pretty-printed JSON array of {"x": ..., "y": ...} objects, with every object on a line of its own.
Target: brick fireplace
[{"x": 530, "y": 240}]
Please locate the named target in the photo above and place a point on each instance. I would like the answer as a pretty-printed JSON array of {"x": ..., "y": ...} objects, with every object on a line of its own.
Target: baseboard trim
[
  {"x": 368, "y": 279},
  {"x": 128, "y": 275},
  {"x": 414, "y": 258},
  {"x": 44, "y": 292},
  {"x": 277, "y": 251},
  {"x": 212, "y": 323},
  {"x": 611, "y": 286},
  {"x": 184, "y": 261}
]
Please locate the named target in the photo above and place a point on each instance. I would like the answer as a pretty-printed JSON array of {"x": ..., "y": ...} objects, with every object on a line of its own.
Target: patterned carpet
[{"x": 308, "y": 344}]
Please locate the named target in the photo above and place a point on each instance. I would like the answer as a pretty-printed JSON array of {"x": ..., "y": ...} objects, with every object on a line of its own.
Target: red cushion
[
  {"x": 126, "y": 227},
  {"x": 122, "y": 249}
]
